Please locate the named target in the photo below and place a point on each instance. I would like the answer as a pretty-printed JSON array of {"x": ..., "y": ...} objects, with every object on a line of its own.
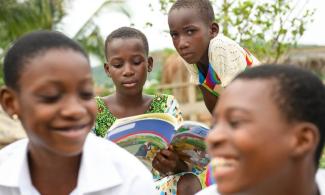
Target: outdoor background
[{"x": 276, "y": 31}]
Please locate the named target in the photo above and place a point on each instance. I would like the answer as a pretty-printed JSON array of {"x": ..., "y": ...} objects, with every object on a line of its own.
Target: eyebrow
[
  {"x": 189, "y": 26},
  {"x": 232, "y": 109}
]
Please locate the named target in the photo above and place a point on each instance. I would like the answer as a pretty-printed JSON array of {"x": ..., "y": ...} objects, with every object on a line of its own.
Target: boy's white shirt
[
  {"x": 227, "y": 59},
  {"x": 105, "y": 169},
  {"x": 320, "y": 180}
]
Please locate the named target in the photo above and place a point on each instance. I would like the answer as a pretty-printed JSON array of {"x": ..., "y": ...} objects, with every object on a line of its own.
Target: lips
[
  {"x": 129, "y": 83},
  {"x": 187, "y": 55},
  {"x": 72, "y": 132}
]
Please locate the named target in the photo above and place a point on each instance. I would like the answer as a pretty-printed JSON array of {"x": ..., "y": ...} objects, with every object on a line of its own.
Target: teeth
[{"x": 220, "y": 162}]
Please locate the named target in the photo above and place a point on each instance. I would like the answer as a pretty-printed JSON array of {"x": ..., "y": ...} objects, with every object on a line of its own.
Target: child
[
  {"x": 128, "y": 64},
  {"x": 212, "y": 59},
  {"x": 269, "y": 139},
  {"x": 49, "y": 88}
]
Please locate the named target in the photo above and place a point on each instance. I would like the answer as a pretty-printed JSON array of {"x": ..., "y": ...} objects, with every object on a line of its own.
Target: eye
[
  {"x": 48, "y": 99},
  {"x": 190, "y": 31},
  {"x": 234, "y": 123},
  {"x": 137, "y": 61},
  {"x": 117, "y": 65},
  {"x": 86, "y": 95},
  {"x": 173, "y": 35}
]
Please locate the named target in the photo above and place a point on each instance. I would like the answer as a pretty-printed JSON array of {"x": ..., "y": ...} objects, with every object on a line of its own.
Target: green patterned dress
[{"x": 161, "y": 103}]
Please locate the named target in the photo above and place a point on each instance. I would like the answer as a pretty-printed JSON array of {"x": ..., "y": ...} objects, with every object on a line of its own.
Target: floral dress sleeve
[
  {"x": 163, "y": 103},
  {"x": 104, "y": 118}
]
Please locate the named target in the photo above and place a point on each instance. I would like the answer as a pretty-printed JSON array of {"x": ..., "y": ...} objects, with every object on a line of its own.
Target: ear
[
  {"x": 306, "y": 139},
  {"x": 9, "y": 102},
  {"x": 106, "y": 68},
  {"x": 150, "y": 63},
  {"x": 214, "y": 29}
]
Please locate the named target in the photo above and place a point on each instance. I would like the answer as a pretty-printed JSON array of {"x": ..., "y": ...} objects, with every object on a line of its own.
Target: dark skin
[
  {"x": 167, "y": 161},
  {"x": 57, "y": 111},
  {"x": 188, "y": 184},
  {"x": 191, "y": 36},
  {"x": 244, "y": 139},
  {"x": 43, "y": 174},
  {"x": 128, "y": 66}
]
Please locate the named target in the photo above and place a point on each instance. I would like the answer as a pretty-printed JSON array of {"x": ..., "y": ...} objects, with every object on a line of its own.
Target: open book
[{"x": 144, "y": 135}]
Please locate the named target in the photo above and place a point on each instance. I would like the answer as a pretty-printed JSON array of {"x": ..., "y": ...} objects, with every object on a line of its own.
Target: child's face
[
  {"x": 190, "y": 34},
  {"x": 250, "y": 140},
  {"x": 55, "y": 101},
  {"x": 128, "y": 65}
]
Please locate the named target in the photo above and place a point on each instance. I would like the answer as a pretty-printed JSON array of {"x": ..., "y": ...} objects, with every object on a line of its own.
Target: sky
[{"x": 80, "y": 10}]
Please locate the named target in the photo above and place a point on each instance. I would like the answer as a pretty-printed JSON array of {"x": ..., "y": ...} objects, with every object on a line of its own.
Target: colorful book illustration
[{"x": 144, "y": 135}]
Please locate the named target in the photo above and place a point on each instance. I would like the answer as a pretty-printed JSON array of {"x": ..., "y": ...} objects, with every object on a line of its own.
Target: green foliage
[
  {"x": 151, "y": 90},
  {"x": 100, "y": 77},
  {"x": 268, "y": 29},
  {"x": 19, "y": 17},
  {"x": 165, "y": 4}
]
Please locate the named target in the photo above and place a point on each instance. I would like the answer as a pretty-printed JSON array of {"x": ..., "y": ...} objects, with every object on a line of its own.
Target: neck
[
  {"x": 48, "y": 169},
  {"x": 203, "y": 64},
  {"x": 122, "y": 105},
  {"x": 129, "y": 101}
]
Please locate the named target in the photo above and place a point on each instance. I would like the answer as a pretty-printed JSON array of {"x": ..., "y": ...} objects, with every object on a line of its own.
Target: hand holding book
[
  {"x": 168, "y": 162},
  {"x": 158, "y": 136}
]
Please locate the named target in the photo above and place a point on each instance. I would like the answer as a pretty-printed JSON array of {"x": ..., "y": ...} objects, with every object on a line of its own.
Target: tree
[
  {"x": 19, "y": 17},
  {"x": 268, "y": 29}
]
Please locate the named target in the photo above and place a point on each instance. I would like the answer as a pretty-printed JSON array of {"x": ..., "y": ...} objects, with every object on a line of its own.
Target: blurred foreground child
[
  {"x": 50, "y": 89},
  {"x": 268, "y": 140}
]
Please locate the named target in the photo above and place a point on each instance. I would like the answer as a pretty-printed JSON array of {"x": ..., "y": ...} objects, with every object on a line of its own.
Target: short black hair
[
  {"x": 126, "y": 33},
  {"x": 299, "y": 94},
  {"x": 204, "y": 8},
  {"x": 29, "y": 46}
]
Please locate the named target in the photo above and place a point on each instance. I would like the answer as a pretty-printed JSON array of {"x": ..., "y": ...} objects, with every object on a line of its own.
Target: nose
[
  {"x": 216, "y": 137},
  {"x": 128, "y": 70},
  {"x": 73, "y": 108}
]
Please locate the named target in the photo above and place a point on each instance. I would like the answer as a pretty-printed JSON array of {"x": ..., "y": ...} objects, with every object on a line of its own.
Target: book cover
[{"x": 144, "y": 135}]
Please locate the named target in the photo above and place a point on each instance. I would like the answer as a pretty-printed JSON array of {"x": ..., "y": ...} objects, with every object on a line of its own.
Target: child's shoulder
[
  {"x": 162, "y": 96},
  {"x": 107, "y": 152},
  {"x": 320, "y": 179},
  {"x": 102, "y": 108},
  {"x": 223, "y": 41},
  {"x": 11, "y": 162},
  {"x": 162, "y": 101},
  {"x": 12, "y": 149}
]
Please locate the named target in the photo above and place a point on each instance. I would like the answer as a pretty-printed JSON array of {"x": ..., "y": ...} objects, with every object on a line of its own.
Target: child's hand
[{"x": 167, "y": 162}]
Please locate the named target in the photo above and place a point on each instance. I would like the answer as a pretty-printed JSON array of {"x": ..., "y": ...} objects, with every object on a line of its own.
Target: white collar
[{"x": 97, "y": 170}]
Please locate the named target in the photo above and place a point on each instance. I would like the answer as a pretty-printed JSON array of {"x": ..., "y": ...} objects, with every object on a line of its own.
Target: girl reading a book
[{"x": 128, "y": 64}]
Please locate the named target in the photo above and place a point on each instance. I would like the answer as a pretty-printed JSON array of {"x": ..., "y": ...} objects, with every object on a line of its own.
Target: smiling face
[
  {"x": 251, "y": 140},
  {"x": 55, "y": 101},
  {"x": 190, "y": 34},
  {"x": 128, "y": 65}
]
